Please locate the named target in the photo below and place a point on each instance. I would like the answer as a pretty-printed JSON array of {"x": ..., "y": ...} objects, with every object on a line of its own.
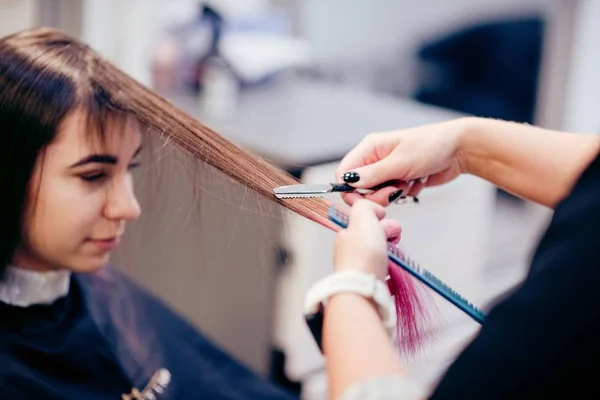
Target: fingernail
[
  {"x": 395, "y": 195},
  {"x": 416, "y": 199},
  {"x": 350, "y": 177}
]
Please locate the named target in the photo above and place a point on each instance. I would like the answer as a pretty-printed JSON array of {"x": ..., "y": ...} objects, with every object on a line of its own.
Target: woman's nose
[{"x": 122, "y": 203}]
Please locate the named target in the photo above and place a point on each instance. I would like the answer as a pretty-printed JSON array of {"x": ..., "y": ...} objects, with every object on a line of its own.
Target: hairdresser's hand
[
  {"x": 431, "y": 151},
  {"x": 363, "y": 245}
]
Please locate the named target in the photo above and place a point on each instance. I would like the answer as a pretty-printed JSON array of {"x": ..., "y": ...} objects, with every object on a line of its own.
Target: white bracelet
[{"x": 356, "y": 282}]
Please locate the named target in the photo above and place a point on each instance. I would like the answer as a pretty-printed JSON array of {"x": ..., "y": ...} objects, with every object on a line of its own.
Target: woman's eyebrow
[
  {"x": 96, "y": 158},
  {"x": 102, "y": 159}
]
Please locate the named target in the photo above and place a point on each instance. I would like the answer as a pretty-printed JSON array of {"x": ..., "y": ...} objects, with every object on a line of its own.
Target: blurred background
[{"x": 300, "y": 82}]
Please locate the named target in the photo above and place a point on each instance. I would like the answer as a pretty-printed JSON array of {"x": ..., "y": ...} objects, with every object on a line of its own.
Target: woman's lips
[{"x": 106, "y": 243}]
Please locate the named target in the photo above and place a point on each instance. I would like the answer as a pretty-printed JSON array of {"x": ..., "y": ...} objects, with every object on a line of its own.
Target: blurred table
[{"x": 295, "y": 122}]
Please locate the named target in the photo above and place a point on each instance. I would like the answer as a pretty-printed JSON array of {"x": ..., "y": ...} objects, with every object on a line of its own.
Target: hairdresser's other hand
[
  {"x": 431, "y": 151},
  {"x": 363, "y": 245}
]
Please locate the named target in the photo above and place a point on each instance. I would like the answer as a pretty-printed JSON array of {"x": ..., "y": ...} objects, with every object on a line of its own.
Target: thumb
[
  {"x": 365, "y": 213},
  {"x": 371, "y": 175}
]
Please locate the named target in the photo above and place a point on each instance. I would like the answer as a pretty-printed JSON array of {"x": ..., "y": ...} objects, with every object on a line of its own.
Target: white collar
[{"x": 23, "y": 287}]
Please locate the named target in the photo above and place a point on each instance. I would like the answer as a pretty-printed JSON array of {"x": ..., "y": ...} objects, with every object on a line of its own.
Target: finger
[
  {"x": 383, "y": 196},
  {"x": 365, "y": 213},
  {"x": 392, "y": 229},
  {"x": 439, "y": 178},
  {"x": 388, "y": 196},
  {"x": 360, "y": 155},
  {"x": 368, "y": 176},
  {"x": 410, "y": 187},
  {"x": 417, "y": 187},
  {"x": 371, "y": 148},
  {"x": 351, "y": 197}
]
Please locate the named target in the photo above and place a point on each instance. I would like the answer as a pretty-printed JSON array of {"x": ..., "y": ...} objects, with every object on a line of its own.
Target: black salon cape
[
  {"x": 543, "y": 341},
  {"x": 107, "y": 337}
]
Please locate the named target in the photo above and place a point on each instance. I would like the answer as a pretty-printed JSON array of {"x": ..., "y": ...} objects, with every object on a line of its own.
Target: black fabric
[
  {"x": 544, "y": 340},
  {"x": 109, "y": 336}
]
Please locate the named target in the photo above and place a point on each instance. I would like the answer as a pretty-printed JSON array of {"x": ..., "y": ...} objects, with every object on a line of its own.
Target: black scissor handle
[{"x": 344, "y": 187}]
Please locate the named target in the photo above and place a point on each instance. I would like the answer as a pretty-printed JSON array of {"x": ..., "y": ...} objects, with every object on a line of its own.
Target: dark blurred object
[
  {"x": 211, "y": 18},
  {"x": 488, "y": 70},
  {"x": 183, "y": 51}
]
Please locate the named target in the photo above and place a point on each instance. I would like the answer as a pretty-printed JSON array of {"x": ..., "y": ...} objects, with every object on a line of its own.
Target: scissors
[
  {"x": 320, "y": 190},
  {"x": 316, "y": 190}
]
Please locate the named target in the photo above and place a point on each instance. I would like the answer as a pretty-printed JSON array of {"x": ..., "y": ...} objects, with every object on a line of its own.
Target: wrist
[
  {"x": 357, "y": 283},
  {"x": 466, "y": 131},
  {"x": 382, "y": 275},
  {"x": 352, "y": 297}
]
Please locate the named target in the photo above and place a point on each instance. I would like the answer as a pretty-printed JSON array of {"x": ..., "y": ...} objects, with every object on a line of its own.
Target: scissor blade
[
  {"x": 299, "y": 191},
  {"x": 299, "y": 196}
]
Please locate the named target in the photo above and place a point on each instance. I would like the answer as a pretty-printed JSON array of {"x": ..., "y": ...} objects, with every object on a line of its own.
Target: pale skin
[
  {"x": 367, "y": 351},
  {"x": 536, "y": 164},
  {"x": 80, "y": 198}
]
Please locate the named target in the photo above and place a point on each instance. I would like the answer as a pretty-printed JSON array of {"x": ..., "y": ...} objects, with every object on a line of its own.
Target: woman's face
[{"x": 80, "y": 198}]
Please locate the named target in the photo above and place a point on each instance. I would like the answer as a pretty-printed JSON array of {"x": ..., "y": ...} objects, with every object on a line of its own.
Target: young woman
[{"x": 71, "y": 326}]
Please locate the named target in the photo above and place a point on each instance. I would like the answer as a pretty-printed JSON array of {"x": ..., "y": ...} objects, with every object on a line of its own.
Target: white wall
[
  {"x": 346, "y": 29},
  {"x": 123, "y": 31},
  {"x": 582, "y": 99},
  {"x": 16, "y": 15}
]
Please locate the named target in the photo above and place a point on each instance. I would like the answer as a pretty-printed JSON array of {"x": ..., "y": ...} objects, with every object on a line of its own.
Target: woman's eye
[
  {"x": 134, "y": 165},
  {"x": 93, "y": 177}
]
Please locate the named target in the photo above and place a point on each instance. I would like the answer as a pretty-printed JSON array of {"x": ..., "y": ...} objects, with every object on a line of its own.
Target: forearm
[
  {"x": 355, "y": 343},
  {"x": 533, "y": 163}
]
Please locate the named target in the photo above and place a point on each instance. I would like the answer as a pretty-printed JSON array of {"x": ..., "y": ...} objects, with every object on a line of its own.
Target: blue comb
[{"x": 421, "y": 274}]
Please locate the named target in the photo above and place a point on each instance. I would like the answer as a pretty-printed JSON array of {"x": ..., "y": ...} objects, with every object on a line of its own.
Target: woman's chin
[{"x": 89, "y": 264}]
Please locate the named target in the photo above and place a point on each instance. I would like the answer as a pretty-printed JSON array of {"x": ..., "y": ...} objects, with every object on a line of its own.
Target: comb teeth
[
  {"x": 395, "y": 251},
  {"x": 411, "y": 266},
  {"x": 435, "y": 284},
  {"x": 339, "y": 217}
]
